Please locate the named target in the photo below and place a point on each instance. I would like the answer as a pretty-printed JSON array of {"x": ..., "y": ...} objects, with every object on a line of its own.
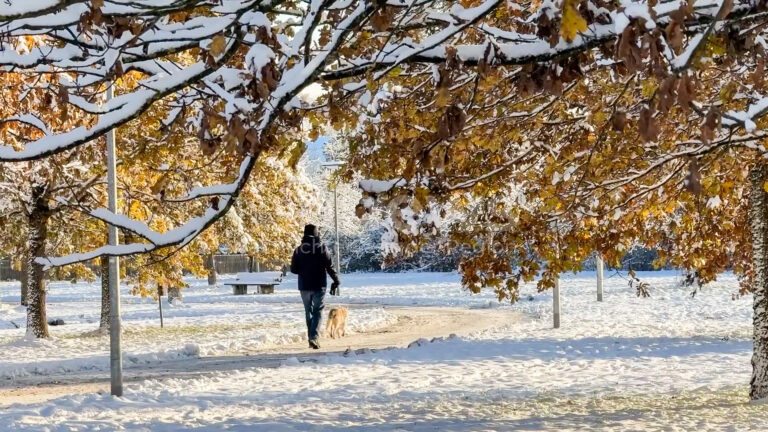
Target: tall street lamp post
[{"x": 333, "y": 164}]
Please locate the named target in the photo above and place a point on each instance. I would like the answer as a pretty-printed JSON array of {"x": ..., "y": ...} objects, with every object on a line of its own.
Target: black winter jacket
[{"x": 311, "y": 261}]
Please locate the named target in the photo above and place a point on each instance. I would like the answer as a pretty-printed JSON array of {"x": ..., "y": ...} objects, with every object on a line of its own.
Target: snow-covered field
[
  {"x": 210, "y": 321},
  {"x": 670, "y": 362}
]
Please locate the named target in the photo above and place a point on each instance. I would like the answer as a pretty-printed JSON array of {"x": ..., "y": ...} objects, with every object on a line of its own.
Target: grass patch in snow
[
  {"x": 185, "y": 331},
  {"x": 143, "y": 332}
]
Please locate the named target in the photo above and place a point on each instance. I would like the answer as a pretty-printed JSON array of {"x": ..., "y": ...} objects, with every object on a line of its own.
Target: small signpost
[{"x": 160, "y": 291}]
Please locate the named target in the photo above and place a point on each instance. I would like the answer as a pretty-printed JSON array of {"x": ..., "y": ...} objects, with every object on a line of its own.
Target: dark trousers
[{"x": 314, "y": 302}]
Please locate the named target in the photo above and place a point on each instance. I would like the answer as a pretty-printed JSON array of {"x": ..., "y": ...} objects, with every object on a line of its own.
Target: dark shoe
[{"x": 314, "y": 344}]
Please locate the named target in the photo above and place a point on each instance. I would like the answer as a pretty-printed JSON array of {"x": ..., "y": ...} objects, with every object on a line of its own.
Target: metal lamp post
[
  {"x": 115, "y": 354},
  {"x": 336, "y": 226},
  {"x": 335, "y": 216}
]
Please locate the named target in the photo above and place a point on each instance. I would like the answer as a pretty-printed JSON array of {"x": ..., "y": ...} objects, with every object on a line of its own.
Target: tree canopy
[
  {"x": 234, "y": 70},
  {"x": 645, "y": 137}
]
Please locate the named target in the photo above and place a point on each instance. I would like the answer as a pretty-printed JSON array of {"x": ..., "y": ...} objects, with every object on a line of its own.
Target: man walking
[{"x": 311, "y": 261}]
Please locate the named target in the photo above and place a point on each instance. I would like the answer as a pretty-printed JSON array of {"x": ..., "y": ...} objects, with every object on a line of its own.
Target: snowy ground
[
  {"x": 210, "y": 321},
  {"x": 671, "y": 362}
]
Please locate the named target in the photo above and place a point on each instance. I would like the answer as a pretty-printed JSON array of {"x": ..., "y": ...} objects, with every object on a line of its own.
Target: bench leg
[
  {"x": 265, "y": 289},
  {"x": 239, "y": 289}
]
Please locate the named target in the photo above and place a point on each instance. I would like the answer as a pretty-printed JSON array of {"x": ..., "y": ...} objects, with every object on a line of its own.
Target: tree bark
[
  {"x": 211, "y": 270},
  {"x": 104, "y": 320},
  {"x": 758, "y": 221},
  {"x": 37, "y": 324},
  {"x": 24, "y": 281}
]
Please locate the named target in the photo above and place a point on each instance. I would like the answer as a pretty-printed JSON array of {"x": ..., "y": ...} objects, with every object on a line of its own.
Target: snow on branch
[
  {"x": 747, "y": 118},
  {"x": 380, "y": 186},
  {"x": 529, "y": 48},
  {"x": 21, "y": 9}
]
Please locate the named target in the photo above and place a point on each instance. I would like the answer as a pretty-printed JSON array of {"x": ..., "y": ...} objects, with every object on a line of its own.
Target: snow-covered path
[
  {"x": 411, "y": 325},
  {"x": 671, "y": 362}
]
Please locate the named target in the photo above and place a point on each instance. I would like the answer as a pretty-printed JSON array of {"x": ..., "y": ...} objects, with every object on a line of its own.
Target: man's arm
[
  {"x": 295, "y": 262},
  {"x": 329, "y": 266}
]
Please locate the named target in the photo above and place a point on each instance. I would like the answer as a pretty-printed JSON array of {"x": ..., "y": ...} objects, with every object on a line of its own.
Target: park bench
[{"x": 264, "y": 281}]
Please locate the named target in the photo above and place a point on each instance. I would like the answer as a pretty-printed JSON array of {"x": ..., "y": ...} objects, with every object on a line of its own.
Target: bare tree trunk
[
  {"x": 37, "y": 324},
  {"x": 758, "y": 220},
  {"x": 104, "y": 321},
  {"x": 24, "y": 281},
  {"x": 211, "y": 270}
]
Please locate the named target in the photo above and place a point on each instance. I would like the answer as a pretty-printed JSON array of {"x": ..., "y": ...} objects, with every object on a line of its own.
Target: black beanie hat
[{"x": 310, "y": 230}]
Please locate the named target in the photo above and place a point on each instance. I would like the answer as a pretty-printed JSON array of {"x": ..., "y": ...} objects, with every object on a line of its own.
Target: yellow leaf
[
  {"x": 296, "y": 153},
  {"x": 728, "y": 91},
  {"x": 218, "y": 45},
  {"x": 765, "y": 186},
  {"x": 572, "y": 22}
]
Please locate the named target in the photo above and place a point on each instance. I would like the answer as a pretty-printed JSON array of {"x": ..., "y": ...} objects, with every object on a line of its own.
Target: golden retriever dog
[{"x": 337, "y": 322}]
